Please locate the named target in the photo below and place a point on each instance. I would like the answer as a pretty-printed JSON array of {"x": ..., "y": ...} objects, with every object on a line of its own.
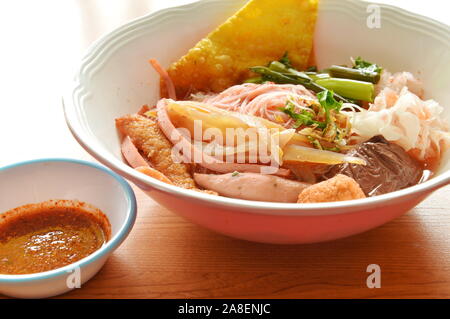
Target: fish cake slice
[{"x": 148, "y": 138}]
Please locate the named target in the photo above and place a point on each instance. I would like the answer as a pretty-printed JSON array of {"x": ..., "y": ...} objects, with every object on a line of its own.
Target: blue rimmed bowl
[{"x": 45, "y": 179}]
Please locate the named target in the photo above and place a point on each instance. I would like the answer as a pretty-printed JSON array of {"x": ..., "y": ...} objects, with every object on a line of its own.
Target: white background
[{"x": 42, "y": 40}]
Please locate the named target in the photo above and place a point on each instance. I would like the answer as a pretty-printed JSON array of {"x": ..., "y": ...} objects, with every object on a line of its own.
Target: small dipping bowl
[{"x": 46, "y": 179}]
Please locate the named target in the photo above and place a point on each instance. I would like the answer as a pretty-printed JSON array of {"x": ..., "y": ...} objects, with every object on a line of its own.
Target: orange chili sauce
[{"x": 49, "y": 235}]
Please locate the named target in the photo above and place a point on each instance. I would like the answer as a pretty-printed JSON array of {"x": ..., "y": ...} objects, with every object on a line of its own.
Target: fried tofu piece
[
  {"x": 150, "y": 140},
  {"x": 260, "y": 32},
  {"x": 335, "y": 189}
]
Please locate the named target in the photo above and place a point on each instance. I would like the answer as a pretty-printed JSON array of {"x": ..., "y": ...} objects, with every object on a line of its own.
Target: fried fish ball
[{"x": 335, "y": 189}]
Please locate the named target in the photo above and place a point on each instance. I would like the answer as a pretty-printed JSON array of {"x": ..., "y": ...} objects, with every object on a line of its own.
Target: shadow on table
[
  {"x": 227, "y": 267},
  {"x": 187, "y": 261},
  {"x": 385, "y": 242}
]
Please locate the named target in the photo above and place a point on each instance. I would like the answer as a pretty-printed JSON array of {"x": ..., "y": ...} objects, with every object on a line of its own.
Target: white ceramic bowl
[
  {"x": 115, "y": 79},
  {"x": 41, "y": 180}
]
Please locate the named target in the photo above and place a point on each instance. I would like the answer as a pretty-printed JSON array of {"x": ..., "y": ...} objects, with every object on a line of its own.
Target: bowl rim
[
  {"x": 107, "y": 248},
  {"x": 100, "y": 46}
]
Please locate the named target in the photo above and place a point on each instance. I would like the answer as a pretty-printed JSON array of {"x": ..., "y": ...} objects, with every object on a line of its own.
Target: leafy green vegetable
[
  {"x": 305, "y": 117},
  {"x": 308, "y": 117},
  {"x": 367, "y": 66},
  {"x": 285, "y": 60},
  {"x": 268, "y": 74},
  {"x": 320, "y": 122},
  {"x": 278, "y": 72},
  {"x": 328, "y": 102},
  {"x": 344, "y": 88},
  {"x": 312, "y": 69}
]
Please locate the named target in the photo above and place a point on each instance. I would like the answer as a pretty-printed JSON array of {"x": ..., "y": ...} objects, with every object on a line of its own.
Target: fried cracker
[{"x": 262, "y": 31}]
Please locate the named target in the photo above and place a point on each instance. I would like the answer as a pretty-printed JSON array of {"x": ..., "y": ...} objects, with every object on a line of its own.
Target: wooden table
[{"x": 166, "y": 256}]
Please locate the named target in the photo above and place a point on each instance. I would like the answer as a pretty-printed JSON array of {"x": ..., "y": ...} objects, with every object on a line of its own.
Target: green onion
[
  {"x": 257, "y": 80},
  {"x": 290, "y": 77},
  {"x": 278, "y": 67},
  {"x": 271, "y": 75},
  {"x": 338, "y": 71},
  {"x": 350, "y": 85},
  {"x": 352, "y": 89},
  {"x": 314, "y": 76},
  {"x": 285, "y": 60}
]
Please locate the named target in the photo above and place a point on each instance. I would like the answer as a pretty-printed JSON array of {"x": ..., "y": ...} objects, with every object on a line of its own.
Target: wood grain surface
[{"x": 166, "y": 256}]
